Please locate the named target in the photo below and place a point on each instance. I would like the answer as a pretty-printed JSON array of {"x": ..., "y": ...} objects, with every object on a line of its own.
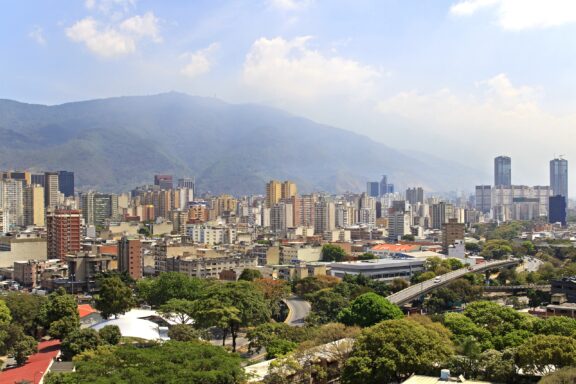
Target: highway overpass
[{"x": 407, "y": 295}]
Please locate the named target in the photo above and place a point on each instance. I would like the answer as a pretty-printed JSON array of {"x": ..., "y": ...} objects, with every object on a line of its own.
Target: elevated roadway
[{"x": 407, "y": 295}]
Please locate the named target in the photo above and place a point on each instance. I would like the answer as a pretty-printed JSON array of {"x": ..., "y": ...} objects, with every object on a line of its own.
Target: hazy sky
[{"x": 465, "y": 80}]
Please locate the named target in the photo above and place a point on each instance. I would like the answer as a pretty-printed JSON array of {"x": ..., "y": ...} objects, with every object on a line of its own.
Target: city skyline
[{"x": 381, "y": 79}]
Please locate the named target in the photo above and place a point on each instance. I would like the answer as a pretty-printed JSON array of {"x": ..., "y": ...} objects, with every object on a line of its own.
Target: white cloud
[
  {"x": 37, "y": 34},
  {"x": 199, "y": 62},
  {"x": 522, "y": 14},
  {"x": 111, "y": 39},
  {"x": 291, "y": 5},
  {"x": 142, "y": 26},
  {"x": 289, "y": 69},
  {"x": 110, "y": 6}
]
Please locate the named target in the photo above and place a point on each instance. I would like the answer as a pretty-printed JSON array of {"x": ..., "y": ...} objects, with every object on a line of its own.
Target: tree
[
  {"x": 262, "y": 335},
  {"x": 423, "y": 276},
  {"x": 110, "y": 334},
  {"x": 393, "y": 350},
  {"x": 179, "y": 310},
  {"x": 556, "y": 325},
  {"x": 497, "y": 319},
  {"x": 331, "y": 252},
  {"x": 279, "y": 347},
  {"x": 314, "y": 283},
  {"x": 326, "y": 304},
  {"x": 5, "y": 315},
  {"x": 60, "y": 314},
  {"x": 496, "y": 249},
  {"x": 369, "y": 309},
  {"x": 114, "y": 297},
  {"x": 170, "y": 285},
  {"x": 231, "y": 306},
  {"x": 250, "y": 274},
  {"x": 408, "y": 237},
  {"x": 25, "y": 347},
  {"x": 398, "y": 285},
  {"x": 472, "y": 247},
  {"x": 185, "y": 332},
  {"x": 367, "y": 256},
  {"x": 541, "y": 354},
  {"x": 463, "y": 327},
  {"x": 169, "y": 362},
  {"x": 25, "y": 310},
  {"x": 80, "y": 341},
  {"x": 274, "y": 292},
  {"x": 496, "y": 366}
]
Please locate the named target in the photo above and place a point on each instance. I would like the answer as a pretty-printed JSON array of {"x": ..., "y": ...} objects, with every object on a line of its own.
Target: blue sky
[{"x": 465, "y": 80}]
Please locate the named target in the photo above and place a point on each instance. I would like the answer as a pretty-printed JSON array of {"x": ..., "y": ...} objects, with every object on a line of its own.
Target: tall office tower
[
  {"x": 441, "y": 212},
  {"x": 483, "y": 198},
  {"x": 557, "y": 210},
  {"x": 66, "y": 183},
  {"x": 288, "y": 190},
  {"x": 63, "y": 232},
  {"x": 385, "y": 187},
  {"x": 12, "y": 202},
  {"x": 502, "y": 171},
  {"x": 51, "y": 189},
  {"x": 307, "y": 210},
  {"x": 34, "y": 205},
  {"x": 273, "y": 193},
  {"x": 186, "y": 182},
  {"x": 164, "y": 181},
  {"x": 38, "y": 179},
  {"x": 130, "y": 257},
  {"x": 325, "y": 217},
  {"x": 415, "y": 195},
  {"x": 559, "y": 177},
  {"x": 373, "y": 188},
  {"x": 281, "y": 217},
  {"x": 97, "y": 208}
]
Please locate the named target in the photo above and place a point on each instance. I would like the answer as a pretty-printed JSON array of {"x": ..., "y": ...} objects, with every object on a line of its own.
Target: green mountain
[{"x": 118, "y": 143}]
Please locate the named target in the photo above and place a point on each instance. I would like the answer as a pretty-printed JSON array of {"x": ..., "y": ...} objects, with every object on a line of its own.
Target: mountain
[{"x": 118, "y": 143}]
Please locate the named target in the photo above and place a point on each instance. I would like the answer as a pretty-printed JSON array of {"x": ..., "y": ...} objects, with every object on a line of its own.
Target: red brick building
[{"x": 63, "y": 232}]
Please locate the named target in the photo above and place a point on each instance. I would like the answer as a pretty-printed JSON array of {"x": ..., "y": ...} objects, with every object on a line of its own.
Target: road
[
  {"x": 298, "y": 310},
  {"x": 406, "y": 295},
  {"x": 530, "y": 264}
]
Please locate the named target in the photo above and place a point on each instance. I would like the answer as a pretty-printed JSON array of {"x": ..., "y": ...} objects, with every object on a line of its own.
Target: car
[{"x": 437, "y": 279}]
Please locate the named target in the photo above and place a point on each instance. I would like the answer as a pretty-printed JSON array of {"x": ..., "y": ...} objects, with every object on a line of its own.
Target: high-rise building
[
  {"x": 62, "y": 232},
  {"x": 51, "y": 189},
  {"x": 557, "y": 210},
  {"x": 307, "y": 210},
  {"x": 12, "y": 202},
  {"x": 97, "y": 208},
  {"x": 502, "y": 171},
  {"x": 398, "y": 225},
  {"x": 38, "y": 179},
  {"x": 385, "y": 187},
  {"x": 289, "y": 190},
  {"x": 373, "y": 188},
  {"x": 441, "y": 213},
  {"x": 325, "y": 216},
  {"x": 26, "y": 177},
  {"x": 130, "y": 257},
  {"x": 415, "y": 195},
  {"x": 186, "y": 182},
  {"x": 559, "y": 177},
  {"x": 164, "y": 181},
  {"x": 34, "y": 205},
  {"x": 273, "y": 193},
  {"x": 66, "y": 183},
  {"x": 483, "y": 198}
]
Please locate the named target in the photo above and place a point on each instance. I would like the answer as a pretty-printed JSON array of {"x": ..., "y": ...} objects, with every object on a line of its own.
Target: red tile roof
[
  {"x": 85, "y": 310},
  {"x": 36, "y": 366},
  {"x": 395, "y": 247}
]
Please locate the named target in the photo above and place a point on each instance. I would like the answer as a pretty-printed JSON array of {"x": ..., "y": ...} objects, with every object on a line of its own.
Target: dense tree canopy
[
  {"x": 393, "y": 350},
  {"x": 369, "y": 309},
  {"x": 170, "y": 285},
  {"x": 25, "y": 310},
  {"x": 167, "y": 363},
  {"x": 60, "y": 314},
  {"x": 331, "y": 252},
  {"x": 250, "y": 274},
  {"x": 542, "y": 354}
]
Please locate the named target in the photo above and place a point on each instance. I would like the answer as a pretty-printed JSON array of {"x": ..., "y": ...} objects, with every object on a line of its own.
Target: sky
[{"x": 465, "y": 80}]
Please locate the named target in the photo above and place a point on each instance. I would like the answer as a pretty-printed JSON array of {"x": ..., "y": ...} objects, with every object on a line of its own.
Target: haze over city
[{"x": 464, "y": 81}]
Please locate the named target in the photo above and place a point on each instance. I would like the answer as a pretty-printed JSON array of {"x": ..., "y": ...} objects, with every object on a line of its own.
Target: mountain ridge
[{"x": 115, "y": 144}]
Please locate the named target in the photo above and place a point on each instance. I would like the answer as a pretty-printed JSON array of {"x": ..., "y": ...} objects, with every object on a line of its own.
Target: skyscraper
[
  {"x": 385, "y": 187},
  {"x": 289, "y": 189},
  {"x": 415, "y": 195},
  {"x": 273, "y": 193},
  {"x": 66, "y": 183},
  {"x": 164, "y": 181},
  {"x": 559, "y": 177},
  {"x": 62, "y": 233},
  {"x": 557, "y": 210},
  {"x": 373, "y": 188},
  {"x": 34, "y": 205},
  {"x": 51, "y": 189},
  {"x": 502, "y": 171}
]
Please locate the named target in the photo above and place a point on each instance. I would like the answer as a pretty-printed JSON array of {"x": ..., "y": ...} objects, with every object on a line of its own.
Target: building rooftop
[
  {"x": 36, "y": 366},
  {"x": 417, "y": 379},
  {"x": 395, "y": 247}
]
